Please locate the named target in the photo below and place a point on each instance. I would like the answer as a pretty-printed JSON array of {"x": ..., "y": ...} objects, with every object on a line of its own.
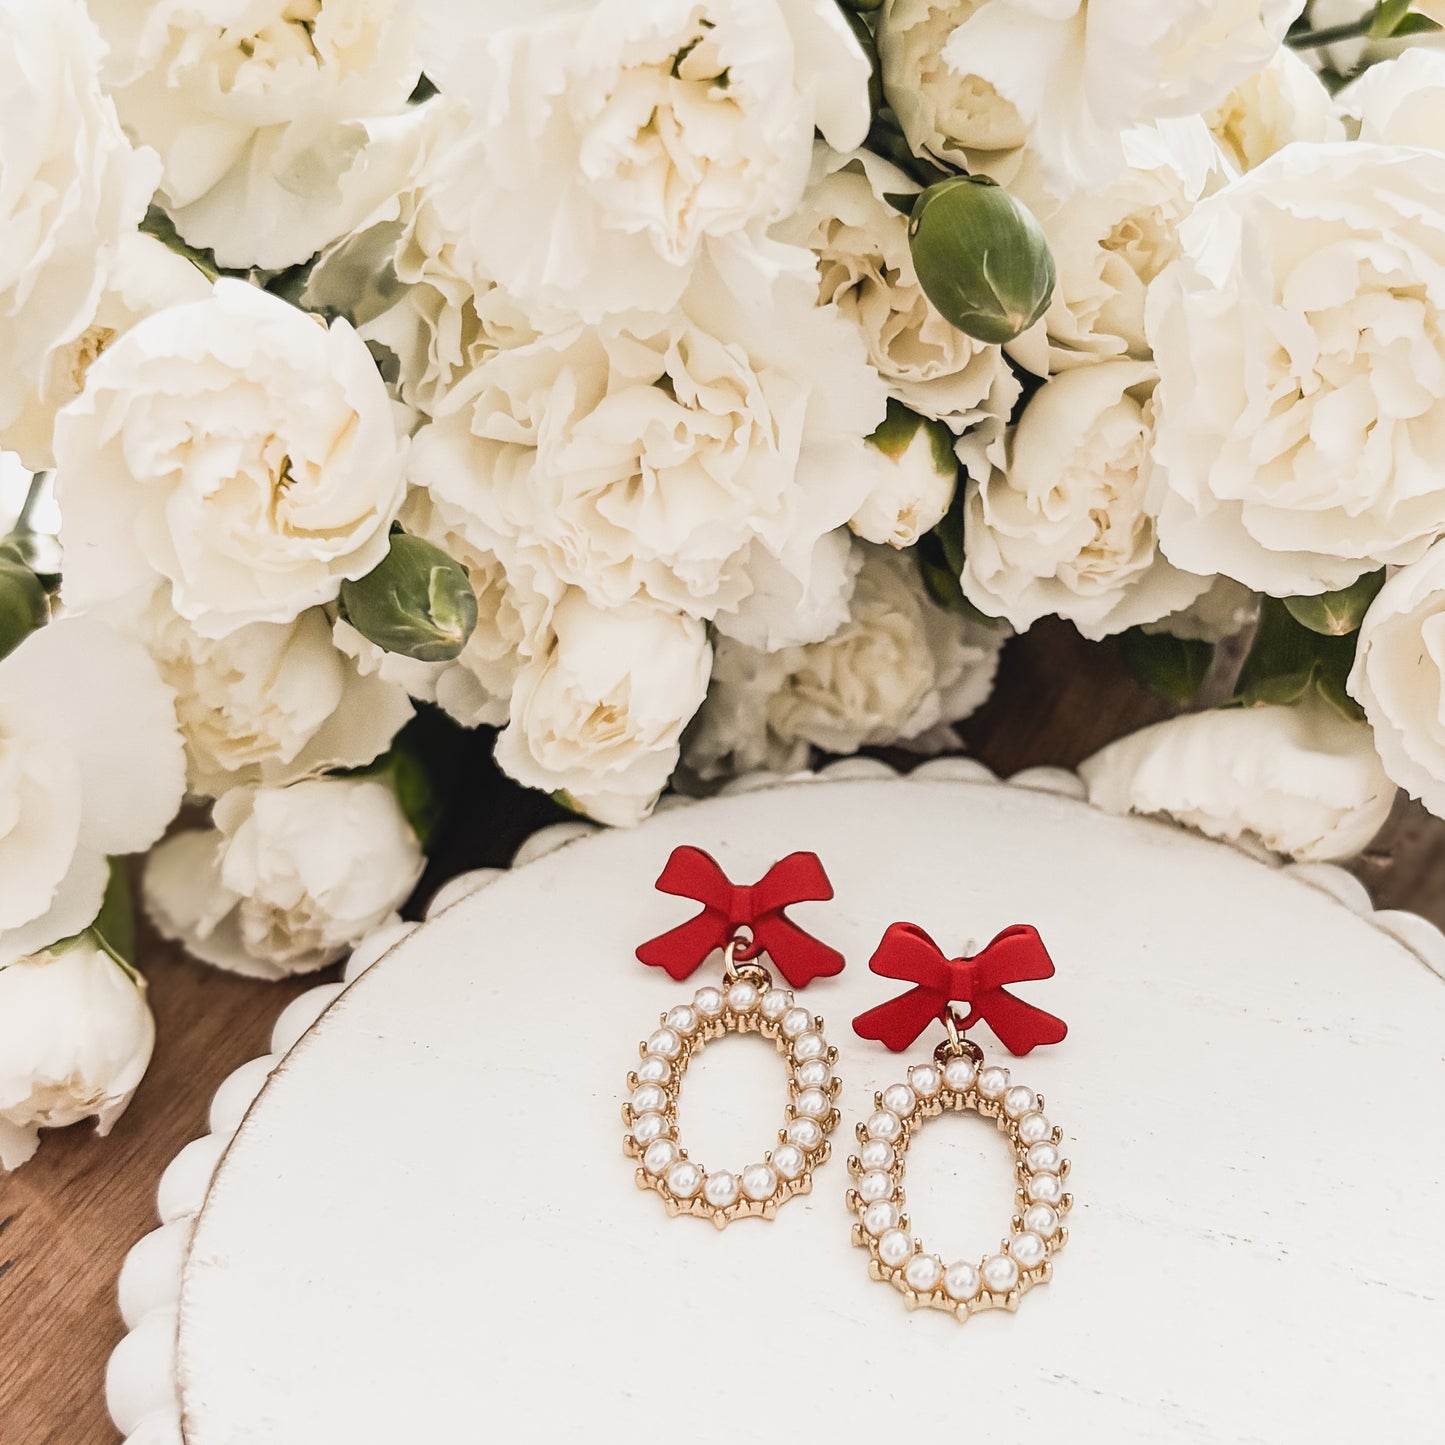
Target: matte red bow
[
  {"x": 726, "y": 908},
  {"x": 907, "y": 952}
]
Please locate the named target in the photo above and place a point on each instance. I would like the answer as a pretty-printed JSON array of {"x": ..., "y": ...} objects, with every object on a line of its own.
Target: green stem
[
  {"x": 1333, "y": 34},
  {"x": 38, "y": 484}
]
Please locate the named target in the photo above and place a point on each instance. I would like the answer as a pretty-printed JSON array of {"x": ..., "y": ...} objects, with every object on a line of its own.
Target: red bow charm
[
  {"x": 907, "y": 952},
  {"x": 726, "y": 908}
]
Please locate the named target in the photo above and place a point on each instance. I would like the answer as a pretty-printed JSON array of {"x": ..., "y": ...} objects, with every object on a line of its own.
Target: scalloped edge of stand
[{"x": 142, "y": 1389}]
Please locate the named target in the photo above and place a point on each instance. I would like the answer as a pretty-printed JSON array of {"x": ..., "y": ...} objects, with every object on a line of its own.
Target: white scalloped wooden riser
[{"x": 1099, "y": 1292}]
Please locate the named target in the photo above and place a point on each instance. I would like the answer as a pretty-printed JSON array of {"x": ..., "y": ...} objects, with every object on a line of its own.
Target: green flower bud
[
  {"x": 1337, "y": 614},
  {"x": 417, "y": 601},
  {"x": 23, "y": 603},
  {"x": 981, "y": 258}
]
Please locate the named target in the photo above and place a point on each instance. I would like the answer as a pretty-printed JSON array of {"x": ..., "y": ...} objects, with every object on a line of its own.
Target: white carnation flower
[
  {"x": 612, "y": 141},
  {"x": 398, "y": 277},
  {"x": 256, "y": 107},
  {"x": 1067, "y": 77},
  {"x": 598, "y": 715},
  {"x": 898, "y": 671},
  {"x": 514, "y": 609},
  {"x": 1398, "y": 102},
  {"x": 1064, "y": 528},
  {"x": 1301, "y": 780},
  {"x": 1284, "y": 102},
  {"x": 144, "y": 276},
  {"x": 1111, "y": 240},
  {"x": 865, "y": 268},
  {"x": 269, "y": 703},
  {"x": 235, "y": 447},
  {"x": 72, "y": 190},
  {"x": 75, "y": 1038},
  {"x": 288, "y": 879},
  {"x": 91, "y": 764},
  {"x": 955, "y": 115},
  {"x": 1300, "y": 341},
  {"x": 697, "y": 460},
  {"x": 1399, "y": 676}
]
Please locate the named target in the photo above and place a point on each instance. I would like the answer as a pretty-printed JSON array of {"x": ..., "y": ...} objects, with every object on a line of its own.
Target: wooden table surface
[{"x": 68, "y": 1217}]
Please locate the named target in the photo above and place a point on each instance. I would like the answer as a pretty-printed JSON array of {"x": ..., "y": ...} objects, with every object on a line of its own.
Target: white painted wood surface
[{"x": 426, "y": 1230}]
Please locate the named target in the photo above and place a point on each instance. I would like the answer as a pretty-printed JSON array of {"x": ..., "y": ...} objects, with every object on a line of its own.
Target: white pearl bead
[
  {"x": 926, "y": 1080},
  {"x": 796, "y": 1021},
  {"x": 664, "y": 1043},
  {"x": 900, "y": 1099},
  {"x": 684, "y": 1179},
  {"x": 742, "y": 997},
  {"x": 813, "y": 1074},
  {"x": 1042, "y": 1159},
  {"x": 658, "y": 1157},
  {"x": 649, "y": 1127},
  {"x": 885, "y": 1124},
  {"x": 789, "y": 1161},
  {"x": 810, "y": 1046},
  {"x": 648, "y": 1099},
  {"x": 876, "y": 1154},
  {"x": 1044, "y": 1188},
  {"x": 1027, "y": 1249},
  {"x": 1018, "y": 1101},
  {"x": 1034, "y": 1129},
  {"x": 1042, "y": 1219},
  {"x": 894, "y": 1247},
  {"x": 708, "y": 1002},
  {"x": 1000, "y": 1273},
  {"x": 813, "y": 1103},
  {"x": 959, "y": 1074},
  {"x": 776, "y": 1002},
  {"x": 759, "y": 1181},
  {"x": 879, "y": 1217},
  {"x": 654, "y": 1070},
  {"x": 721, "y": 1189},
  {"x": 923, "y": 1273},
  {"x": 875, "y": 1185},
  {"x": 682, "y": 1019},
  {"x": 805, "y": 1133},
  {"x": 960, "y": 1280},
  {"x": 992, "y": 1081}
]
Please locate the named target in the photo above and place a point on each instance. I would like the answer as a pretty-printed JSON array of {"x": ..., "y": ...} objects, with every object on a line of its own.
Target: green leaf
[
  {"x": 1415, "y": 24},
  {"x": 1288, "y": 660},
  {"x": 1388, "y": 15},
  {"x": 1337, "y": 614},
  {"x": 1170, "y": 667},
  {"x": 114, "y": 926},
  {"x": 863, "y": 34},
  {"x": 24, "y": 603},
  {"x": 416, "y": 791},
  {"x": 158, "y": 224},
  {"x": 417, "y": 602},
  {"x": 981, "y": 258}
]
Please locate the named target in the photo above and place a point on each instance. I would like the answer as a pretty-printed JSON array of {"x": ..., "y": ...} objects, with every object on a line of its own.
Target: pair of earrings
[{"x": 746, "y": 922}]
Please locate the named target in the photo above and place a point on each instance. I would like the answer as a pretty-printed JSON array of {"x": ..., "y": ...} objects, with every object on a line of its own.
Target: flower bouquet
[{"x": 655, "y": 390}]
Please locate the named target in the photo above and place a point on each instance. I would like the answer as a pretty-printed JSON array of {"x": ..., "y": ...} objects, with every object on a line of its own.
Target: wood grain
[{"x": 69, "y": 1216}]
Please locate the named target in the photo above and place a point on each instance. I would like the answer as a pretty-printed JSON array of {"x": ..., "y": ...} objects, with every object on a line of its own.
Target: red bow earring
[
  {"x": 744, "y": 921},
  {"x": 957, "y": 1078}
]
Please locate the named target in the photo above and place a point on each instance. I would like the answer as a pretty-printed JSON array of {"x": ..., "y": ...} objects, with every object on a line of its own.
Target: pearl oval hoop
[
  {"x": 746, "y": 1002},
  {"x": 958, "y": 1081}
]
